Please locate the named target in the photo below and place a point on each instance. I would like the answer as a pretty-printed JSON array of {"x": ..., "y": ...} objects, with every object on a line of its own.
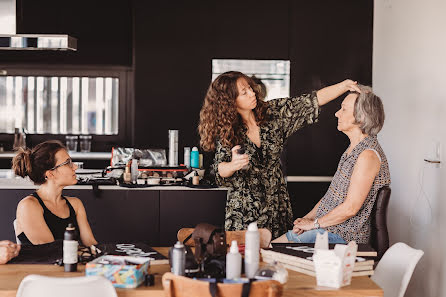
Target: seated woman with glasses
[{"x": 43, "y": 216}]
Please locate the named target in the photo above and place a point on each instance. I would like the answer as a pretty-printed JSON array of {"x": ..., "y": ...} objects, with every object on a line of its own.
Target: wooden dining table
[{"x": 298, "y": 284}]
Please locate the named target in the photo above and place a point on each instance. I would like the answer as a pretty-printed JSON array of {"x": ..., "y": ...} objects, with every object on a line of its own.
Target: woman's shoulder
[
  {"x": 74, "y": 201},
  {"x": 29, "y": 203},
  {"x": 369, "y": 161}
]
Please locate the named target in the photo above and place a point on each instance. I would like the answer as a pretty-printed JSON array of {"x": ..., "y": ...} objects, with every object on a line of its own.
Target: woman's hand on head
[
  {"x": 350, "y": 85},
  {"x": 238, "y": 160}
]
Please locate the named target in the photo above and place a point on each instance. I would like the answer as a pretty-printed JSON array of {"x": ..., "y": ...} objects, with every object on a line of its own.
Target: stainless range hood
[{"x": 9, "y": 40}]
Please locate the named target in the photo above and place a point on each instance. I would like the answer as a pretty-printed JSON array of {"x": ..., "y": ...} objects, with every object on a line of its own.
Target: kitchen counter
[{"x": 20, "y": 183}]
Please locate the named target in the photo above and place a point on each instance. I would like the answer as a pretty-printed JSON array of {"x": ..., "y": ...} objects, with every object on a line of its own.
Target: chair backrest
[
  {"x": 17, "y": 240},
  {"x": 265, "y": 236},
  {"x": 395, "y": 269},
  {"x": 86, "y": 286},
  {"x": 379, "y": 237},
  {"x": 180, "y": 286}
]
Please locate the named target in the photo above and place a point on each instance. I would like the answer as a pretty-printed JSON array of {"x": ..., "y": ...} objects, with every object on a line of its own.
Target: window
[
  {"x": 275, "y": 74},
  {"x": 65, "y": 99},
  {"x": 59, "y": 105}
]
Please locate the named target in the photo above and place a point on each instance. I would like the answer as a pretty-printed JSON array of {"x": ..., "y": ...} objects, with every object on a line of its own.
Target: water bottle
[
  {"x": 195, "y": 158},
  {"x": 233, "y": 262},
  {"x": 70, "y": 245},
  {"x": 178, "y": 259},
  {"x": 252, "y": 249},
  {"x": 187, "y": 156}
]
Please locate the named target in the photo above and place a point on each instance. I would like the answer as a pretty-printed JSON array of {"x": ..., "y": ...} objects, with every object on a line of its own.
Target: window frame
[{"x": 100, "y": 142}]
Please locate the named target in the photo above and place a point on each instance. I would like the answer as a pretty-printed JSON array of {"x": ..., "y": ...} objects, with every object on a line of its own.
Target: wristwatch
[{"x": 316, "y": 224}]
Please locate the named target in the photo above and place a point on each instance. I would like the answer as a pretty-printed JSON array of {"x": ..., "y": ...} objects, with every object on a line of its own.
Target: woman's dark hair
[
  {"x": 34, "y": 163},
  {"x": 219, "y": 118}
]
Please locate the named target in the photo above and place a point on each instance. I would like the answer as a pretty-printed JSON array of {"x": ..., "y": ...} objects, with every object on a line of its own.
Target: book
[
  {"x": 134, "y": 250},
  {"x": 313, "y": 273},
  {"x": 364, "y": 250},
  {"x": 301, "y": 261}
]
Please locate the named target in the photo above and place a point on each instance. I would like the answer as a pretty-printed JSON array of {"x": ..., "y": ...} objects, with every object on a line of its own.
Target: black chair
[{"x": 379, "y": 239}]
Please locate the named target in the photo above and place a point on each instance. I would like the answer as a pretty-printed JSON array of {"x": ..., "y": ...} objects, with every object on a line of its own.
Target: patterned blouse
[
  {"x": 358, "y": 227},
  {"x": 259, "y": 193}
]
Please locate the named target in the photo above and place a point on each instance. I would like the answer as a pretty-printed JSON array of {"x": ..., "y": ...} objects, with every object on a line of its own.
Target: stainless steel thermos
[{"x": 173, "y": 147}]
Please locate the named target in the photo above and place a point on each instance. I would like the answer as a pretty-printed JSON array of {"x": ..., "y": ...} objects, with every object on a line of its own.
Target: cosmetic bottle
[
  {"x": 233, "y": 262},
  {"x": 252, "y": 250},
  {"x": 195, "y": 158}
]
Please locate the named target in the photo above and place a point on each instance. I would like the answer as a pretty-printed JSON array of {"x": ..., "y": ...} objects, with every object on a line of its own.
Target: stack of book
[{"x": 298, "y": 257}]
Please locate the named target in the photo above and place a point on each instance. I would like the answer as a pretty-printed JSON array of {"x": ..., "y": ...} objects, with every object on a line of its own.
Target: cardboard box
[{"x": 122, "y": 271}]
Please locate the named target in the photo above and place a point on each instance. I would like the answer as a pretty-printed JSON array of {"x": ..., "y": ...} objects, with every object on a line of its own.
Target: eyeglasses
[{"x": 68, "y": 162}]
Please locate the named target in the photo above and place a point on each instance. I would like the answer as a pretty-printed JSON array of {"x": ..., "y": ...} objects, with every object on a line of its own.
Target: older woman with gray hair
[{"x": 345, "y": 209}]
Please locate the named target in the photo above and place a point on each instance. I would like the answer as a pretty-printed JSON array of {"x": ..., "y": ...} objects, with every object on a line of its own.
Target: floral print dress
[{"x": 259, "y": 193}]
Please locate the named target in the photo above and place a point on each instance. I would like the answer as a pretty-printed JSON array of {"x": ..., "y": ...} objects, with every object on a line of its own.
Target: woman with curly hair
[{"x": 234, "y": 116}]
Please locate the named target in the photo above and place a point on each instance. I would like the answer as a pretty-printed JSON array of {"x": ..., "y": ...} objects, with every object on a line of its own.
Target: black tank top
[{"x": 56, "y": 224}]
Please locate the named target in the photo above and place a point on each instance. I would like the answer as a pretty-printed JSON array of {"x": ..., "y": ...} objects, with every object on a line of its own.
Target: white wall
[{"x": 409, "y": 74}]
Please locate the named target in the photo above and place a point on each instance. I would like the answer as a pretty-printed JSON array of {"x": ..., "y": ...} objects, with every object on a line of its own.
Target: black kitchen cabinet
[
  {"x": 103, "y": 29},
  {"x": 9, "y": 198},
  {"x": 122, "y": 215},
  {"x": 184, "y": 209},
  {"x": 131, "y": 215}
]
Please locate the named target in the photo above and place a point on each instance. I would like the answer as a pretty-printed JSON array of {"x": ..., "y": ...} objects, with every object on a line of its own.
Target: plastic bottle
[
  {"x": 233, "y": 262},
  {"x": 127, "y": 175},
  {"x": 187, "y": 156},
  {"x": 134, "y": 170},
  {"x": 252, "y": 249},
  {"x": 194, "y": 158},
  {"x": 196, "y": 179},
  {"x": 70, "y": 245},
  {"x": 178, "y": 259}
]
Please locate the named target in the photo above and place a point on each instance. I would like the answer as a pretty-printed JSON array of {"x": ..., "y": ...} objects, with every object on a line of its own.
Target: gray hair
[{"x": 368, "y": 111}]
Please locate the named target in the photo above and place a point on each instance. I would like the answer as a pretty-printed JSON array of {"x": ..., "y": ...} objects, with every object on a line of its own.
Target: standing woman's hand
[
  {"x": 350, "y": 85},
  {"x": 329, "y": 93},
  {"x": 238, "y": 160}
]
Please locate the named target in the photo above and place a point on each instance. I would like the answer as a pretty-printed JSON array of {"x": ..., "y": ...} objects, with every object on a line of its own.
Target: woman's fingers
[
  {"x": 297, "y": 220},
  {"x": 351, "y": 85},
  {"x": 241, "y": 162},
  {"x": 297, "y": 230},
  {"x": 234, "y": 150}
]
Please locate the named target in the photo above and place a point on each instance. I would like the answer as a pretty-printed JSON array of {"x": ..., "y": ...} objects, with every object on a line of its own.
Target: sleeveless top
[
  {"x": 356, "y": 228},
  {"x": 56, "y": 224}
]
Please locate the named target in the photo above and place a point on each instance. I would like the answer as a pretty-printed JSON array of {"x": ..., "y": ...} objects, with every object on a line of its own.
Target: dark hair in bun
[{"x": 34, "y": 163}]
